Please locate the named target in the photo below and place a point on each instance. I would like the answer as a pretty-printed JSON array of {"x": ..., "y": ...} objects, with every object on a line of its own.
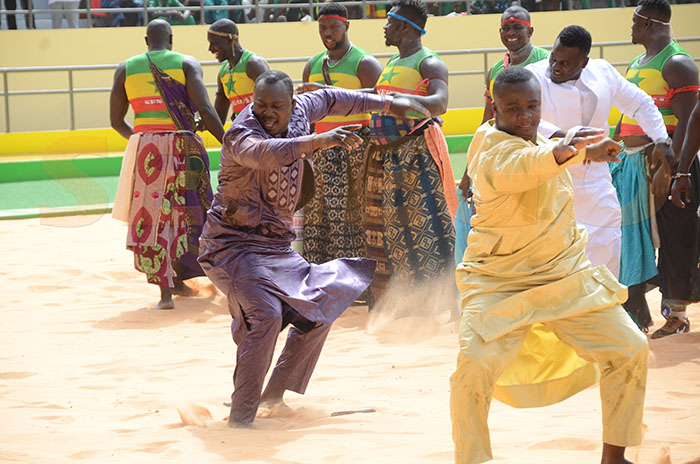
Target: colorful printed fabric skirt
[
  {"x": 630, "y": 178},
  {"x": 333, "y": 217},
  {"x": 408, "y": 229},
  {"x": 170, "y": 198}
]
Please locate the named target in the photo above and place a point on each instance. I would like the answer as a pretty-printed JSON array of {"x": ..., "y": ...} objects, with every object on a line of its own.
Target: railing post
[
  {"x": 202, "y": 13},
  {"x": 486, "y": 65},
  {"x": 70, "y": 96},
  {"x": 602, "y": 47},
  {"x": 89, "y": 13},
  {"x": 364, "y": 9},
  {"x": 30, "y": 15},
  {"x": 145, "y": 12},
  {"x": 7, "y": 102}
]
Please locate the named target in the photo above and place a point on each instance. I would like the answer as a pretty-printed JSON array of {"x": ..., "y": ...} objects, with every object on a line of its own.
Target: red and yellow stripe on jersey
[
  {"x": 649, "y": 77},
  {"x": 342, "y": 74},
  {"x": 403, "y": 74},
  {"x": 150, "y": 113}
]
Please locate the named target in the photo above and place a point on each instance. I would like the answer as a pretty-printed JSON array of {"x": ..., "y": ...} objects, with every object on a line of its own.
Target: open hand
[
  {"x": 309, "y": 87},
  {"x": 344, "y": 137}
]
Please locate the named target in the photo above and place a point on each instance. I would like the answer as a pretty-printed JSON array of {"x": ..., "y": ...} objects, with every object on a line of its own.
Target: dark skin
[
  {"x": 273, "y": 104},
  {"x": 517, "y": 112},
  {"x": 408, "y": 40},
  {"x": 334, "y": 35},
  {"x": 517, "y": 109},
  {"x": 159, "y": 37},
  {"x": 679, "y": 71},
  {"x": 566, "y": 64},
  {"x": 681, "y": 187},
  {"x": 225, "y": 49},
  {"x": 515, "y": 37}
]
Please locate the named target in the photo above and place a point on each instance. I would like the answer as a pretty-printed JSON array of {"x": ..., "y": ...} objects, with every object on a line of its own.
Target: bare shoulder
[
  {"x": 680, "y": 71},
  {"x": 433, "y": 67},
  {"x": 256, "y": 66},
  {"x": 190, "y": 62}
]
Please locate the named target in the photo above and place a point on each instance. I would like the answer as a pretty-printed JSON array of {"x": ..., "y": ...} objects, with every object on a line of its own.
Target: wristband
[
  {"x": 678, "y": 175},
  {"x": 388, "y": 100},
  {"x": 668, "y": 142}
]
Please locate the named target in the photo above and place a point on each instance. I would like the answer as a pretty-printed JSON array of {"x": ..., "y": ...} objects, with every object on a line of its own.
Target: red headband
[
  {"x": 345, "y": 20},
  {"x": 515, "y": 20}
]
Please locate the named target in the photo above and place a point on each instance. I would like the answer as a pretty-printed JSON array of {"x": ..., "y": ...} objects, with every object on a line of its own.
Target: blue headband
[{"x": 401, "y": 18}]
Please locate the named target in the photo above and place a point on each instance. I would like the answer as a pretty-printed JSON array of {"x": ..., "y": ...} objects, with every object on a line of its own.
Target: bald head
[{"x": 159, "y": 34}]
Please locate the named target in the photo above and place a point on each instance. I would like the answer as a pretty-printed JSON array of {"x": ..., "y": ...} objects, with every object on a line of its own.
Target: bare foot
[
  {"x": 272, "y": 397},
  {"x": 182, "y": 290},
  {"x": 239, "y": 425},
  {"x": 164, "y": 304},
  {"x": 166, "y": 299}
]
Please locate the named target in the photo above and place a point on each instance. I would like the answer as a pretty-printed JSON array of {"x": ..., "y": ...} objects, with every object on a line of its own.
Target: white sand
[{"x": 89, "y": 373}]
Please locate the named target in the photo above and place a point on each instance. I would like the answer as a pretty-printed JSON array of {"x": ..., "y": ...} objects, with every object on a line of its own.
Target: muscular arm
[
  {"x": 691, "y": 145},
  {"x": 256, "y": 66},
  {"x": 488, "y": 110},
  {"x": 221, "y": 103},
  {"x": 436, "y": 100},
  {"x": 197, "y": 93},
  {"x": 680, "y": 71},
  {"x": 119, "y": 104},
  {"x": 306, "y": 72},
  {"x": 368, "y": 71}
]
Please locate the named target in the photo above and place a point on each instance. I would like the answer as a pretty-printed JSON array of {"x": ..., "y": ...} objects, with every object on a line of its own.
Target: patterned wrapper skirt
[
  {"x": 333, "y": 217},
  {"x": 408, "y": 228},
  {"x": 170, "y": 198}
]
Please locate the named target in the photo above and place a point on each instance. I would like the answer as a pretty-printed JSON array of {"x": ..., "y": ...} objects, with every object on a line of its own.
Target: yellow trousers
[{"x": 607, "y": 337}]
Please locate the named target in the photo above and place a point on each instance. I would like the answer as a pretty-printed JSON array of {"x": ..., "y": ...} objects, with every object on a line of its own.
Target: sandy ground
[{"x": 89, "y": 373}]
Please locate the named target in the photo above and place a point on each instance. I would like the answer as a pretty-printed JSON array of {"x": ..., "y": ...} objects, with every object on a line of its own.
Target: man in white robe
[{"x": 578, "y": 91}]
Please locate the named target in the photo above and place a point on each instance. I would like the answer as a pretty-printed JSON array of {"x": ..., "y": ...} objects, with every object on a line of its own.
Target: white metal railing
[
  {"x": 71, "y": 90},
  {"x": 201, "y": 8}
]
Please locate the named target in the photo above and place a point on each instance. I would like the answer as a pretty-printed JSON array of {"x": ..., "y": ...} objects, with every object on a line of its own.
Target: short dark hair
[
  {"x": 415, "y": 10},
  {"x": 576, "y": 36},
  {"x": 660, "y": 9},
  {"x": 516, "y": 10},
  {"x": 224, "y": 25},
  {"x": 273, "y": 77},
  {"x": 333, "y": 9},
  {"x": 512, "y": 75}
]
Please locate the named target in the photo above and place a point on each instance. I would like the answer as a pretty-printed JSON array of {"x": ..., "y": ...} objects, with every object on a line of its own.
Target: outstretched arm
[
  {"x": 197, "y": 93},
  {"x": 119, "y": 104}
]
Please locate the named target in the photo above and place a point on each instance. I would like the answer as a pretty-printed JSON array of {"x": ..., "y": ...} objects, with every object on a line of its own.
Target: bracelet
[
  {"x": 388, "y": 100},
  {"x": 678, "y": 175}
]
